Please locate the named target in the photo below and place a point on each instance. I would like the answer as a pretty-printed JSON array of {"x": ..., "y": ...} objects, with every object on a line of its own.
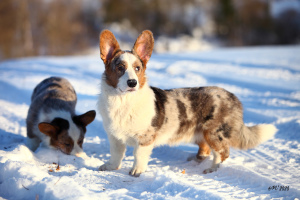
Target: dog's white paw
[
  {"x": 108, "y": 167},
  {"x": 136, "y": 171},
  {"x": 81, "y": 155}
]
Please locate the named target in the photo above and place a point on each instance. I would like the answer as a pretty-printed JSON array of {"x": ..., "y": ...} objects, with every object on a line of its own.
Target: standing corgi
[
  {"x": 144, "y": 117},
  {"x": 51, "y": 118}
]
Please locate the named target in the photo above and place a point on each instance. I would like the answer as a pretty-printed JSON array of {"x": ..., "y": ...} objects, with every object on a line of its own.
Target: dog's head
[
  {"x": 66, "y": 134},
  {"x": 125, "y": 70}
]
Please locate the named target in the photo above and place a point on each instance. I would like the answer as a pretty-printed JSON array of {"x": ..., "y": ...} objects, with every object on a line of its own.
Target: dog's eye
[
  {"x": 120, "y": 68},
  {"x": 80, "y": 141},
  {"x": 137, "y": 69},
  {"x": 67, "y": 144}
]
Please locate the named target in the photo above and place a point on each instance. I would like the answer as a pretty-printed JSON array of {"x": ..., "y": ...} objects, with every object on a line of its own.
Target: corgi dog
[
  {"x": 145, "y": 117},
  {"x": 51, "y": 118}
]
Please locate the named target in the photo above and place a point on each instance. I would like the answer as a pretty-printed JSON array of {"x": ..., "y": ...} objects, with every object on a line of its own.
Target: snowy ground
[{"x": 266, "y": 79}]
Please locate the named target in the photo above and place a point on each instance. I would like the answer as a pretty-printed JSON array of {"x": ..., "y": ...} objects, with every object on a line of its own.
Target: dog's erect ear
[
  {"x": 108, "y": 46},
  {"x": 48, "y": 129},
  {"x": 143, "y": 46},
  {"x": 85, "y": 118}
]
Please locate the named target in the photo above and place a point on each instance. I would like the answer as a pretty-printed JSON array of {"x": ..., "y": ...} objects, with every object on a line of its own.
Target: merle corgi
[
  {"x": 51, "y": 118},
  {"x": 144, "y": 117}
]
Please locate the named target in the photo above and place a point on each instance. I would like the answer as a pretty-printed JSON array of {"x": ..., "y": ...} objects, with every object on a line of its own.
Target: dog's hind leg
[
  {"x": 220, "y": 149},
  {"x": 32, "y": 143},
  {"x": 203, "y": 152}
]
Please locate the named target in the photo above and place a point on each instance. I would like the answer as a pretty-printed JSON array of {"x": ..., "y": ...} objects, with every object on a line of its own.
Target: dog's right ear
[
  {"x": 85, "y": 119},
  {"x": 108, "y": 46},
  {"x": 143, "y": 46},
  {"x": 48, "y": 129}
]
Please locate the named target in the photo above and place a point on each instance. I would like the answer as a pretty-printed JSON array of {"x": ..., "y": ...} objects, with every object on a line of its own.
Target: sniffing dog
[
  {"x": 144, "y": 117},
  {"x": 51, "y": 118}
]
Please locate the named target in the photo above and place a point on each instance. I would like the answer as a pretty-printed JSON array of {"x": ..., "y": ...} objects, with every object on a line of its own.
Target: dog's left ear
[
  {"x": 143, "y": 46},
  {"x": 48, "y": 129}
]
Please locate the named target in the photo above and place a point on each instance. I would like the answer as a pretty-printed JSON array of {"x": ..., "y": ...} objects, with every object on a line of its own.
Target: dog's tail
[{"x": 255, "y": 135}]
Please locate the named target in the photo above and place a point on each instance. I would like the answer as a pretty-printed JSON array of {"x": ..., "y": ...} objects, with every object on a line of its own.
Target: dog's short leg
[
  {"x": 117, "y": 151},
  {"x": 219, "y": 146},
  {"x": 216, "y": 163},
  {"x": 141, "y": 158},
  {"x": 203, "y": 152},
  {"x": 33, "y": 143}
]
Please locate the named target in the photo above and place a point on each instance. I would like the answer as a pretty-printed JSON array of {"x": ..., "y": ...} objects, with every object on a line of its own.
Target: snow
[{"x": 266, "y": 80}]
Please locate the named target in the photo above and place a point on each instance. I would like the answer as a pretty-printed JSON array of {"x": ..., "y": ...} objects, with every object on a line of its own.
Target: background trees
[{"x": 61, "y": 27}]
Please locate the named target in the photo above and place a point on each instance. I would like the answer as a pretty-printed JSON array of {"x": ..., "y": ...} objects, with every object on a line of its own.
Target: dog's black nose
[{"x": 131, "y": 83}]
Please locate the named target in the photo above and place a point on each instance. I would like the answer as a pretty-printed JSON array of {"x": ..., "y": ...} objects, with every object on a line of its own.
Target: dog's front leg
[
  {"x": 141, "y": 158},
  {"x": 117, "y": 151}
]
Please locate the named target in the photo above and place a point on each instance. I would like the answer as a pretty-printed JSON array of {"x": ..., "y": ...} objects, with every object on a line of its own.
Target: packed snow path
[{"x": 266, "y": 80}]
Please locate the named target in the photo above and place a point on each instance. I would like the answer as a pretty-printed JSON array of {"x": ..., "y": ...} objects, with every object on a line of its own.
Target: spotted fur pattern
[{"x": 146, "y": 117}]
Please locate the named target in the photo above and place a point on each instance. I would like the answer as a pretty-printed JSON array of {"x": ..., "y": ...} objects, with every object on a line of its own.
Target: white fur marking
[
  {"x": 74, "y": 133},
  {"x": 216, "y": 163},
  {"x": 266, "y": 131},
  {"x": 129, "y": 73}
]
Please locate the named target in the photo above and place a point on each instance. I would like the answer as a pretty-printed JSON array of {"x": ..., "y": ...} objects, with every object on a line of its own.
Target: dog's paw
[
  {"x": 81, "y": 155},
  {"x": 136, "y": 171},
  {"x": 107, "y": 167},
  {"x": 212, "y": 169},
  {"x": 197, "y": 158}
]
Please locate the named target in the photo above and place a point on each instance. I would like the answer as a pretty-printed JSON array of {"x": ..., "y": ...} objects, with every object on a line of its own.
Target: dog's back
[{"x": 54, "y": 93}]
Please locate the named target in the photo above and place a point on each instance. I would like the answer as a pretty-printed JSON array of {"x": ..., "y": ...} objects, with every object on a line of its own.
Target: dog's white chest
[{"x": 126, "y": 116}]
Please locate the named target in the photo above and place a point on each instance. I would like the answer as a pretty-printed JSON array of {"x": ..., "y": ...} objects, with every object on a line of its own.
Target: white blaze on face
[
  {"x": 129, "y": 59},
  {"x": 74, "y": 133}
]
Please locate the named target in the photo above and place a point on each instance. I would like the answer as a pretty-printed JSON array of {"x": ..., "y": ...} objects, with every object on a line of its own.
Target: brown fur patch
[
  {"x": 63, "y": 142},
  {"x": 108, "y": 46},
  {"x": 213, "y": 141},
  {"x": 147, "y": 138},
  {"x": 141, "y": 74},
  {"x": 204, "y": 150},
  {"x": 113, "y": 70}
]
